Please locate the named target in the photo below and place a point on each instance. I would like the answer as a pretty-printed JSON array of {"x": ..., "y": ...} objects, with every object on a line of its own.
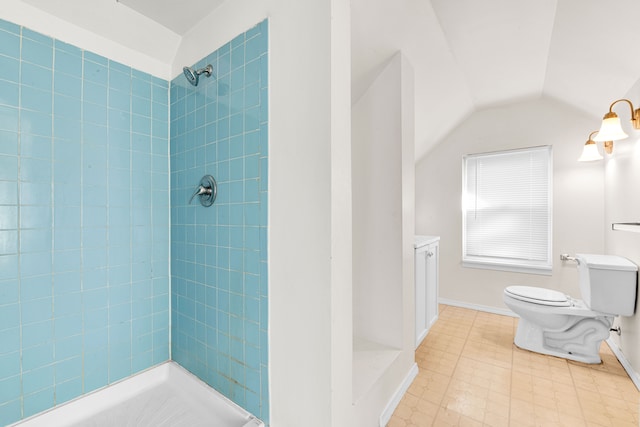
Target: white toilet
[{"x": 556, "y": 324}]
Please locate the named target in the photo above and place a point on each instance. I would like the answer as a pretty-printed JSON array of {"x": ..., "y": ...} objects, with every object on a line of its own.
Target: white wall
[
  {"x": 383, "y": 138},
  {"x": 578, "y": 195},
  {"x": 377, "y": 209},
  {"x": 622, "y": 204}
]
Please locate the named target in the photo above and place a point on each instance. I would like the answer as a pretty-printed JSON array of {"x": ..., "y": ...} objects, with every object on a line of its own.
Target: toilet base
[{"x": 581, "y": 342}]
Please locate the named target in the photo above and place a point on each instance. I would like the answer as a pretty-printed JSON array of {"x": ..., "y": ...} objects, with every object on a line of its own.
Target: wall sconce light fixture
[
  {"x": 611, "y": 129},
  {"x": 590, "y": 151}
]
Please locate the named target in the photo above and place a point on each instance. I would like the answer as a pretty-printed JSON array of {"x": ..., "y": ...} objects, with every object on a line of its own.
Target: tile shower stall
[{"x": 105, "y": 267}]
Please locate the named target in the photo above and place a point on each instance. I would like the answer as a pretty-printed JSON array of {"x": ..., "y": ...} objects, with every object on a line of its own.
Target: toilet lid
[{"x": 538, "y": 295}]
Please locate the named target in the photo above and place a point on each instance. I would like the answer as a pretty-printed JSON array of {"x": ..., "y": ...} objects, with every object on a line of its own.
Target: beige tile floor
[{"x": 471, "y": 374}]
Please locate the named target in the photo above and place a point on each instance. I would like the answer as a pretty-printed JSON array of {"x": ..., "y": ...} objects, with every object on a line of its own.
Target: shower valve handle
[
  {"x": 206, "y": 191},
  {"x": 201, "y": 190}
]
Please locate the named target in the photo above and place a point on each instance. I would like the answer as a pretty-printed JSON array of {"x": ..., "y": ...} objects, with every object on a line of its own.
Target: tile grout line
[
  {"x": 440, "y": 406},
  {"x": 573, "y": 383}
]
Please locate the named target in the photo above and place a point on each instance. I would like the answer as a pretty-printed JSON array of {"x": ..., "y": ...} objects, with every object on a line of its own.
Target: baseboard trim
[
  {"x": 385, "y": 417},
  {"x": 624, "y": 362},
  {"x": 486, "y": 308}
]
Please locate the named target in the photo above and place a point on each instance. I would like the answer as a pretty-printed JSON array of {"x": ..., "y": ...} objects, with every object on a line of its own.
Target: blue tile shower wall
[
  {"x": 84, "y": 222},
  {"x": 219, "y": 254}
]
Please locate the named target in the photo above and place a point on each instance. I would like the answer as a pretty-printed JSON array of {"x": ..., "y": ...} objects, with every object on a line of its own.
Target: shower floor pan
[{"x": 164, "y": 396}]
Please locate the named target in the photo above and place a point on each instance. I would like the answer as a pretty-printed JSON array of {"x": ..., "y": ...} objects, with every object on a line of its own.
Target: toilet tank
[{"x": 608, "y": 283}]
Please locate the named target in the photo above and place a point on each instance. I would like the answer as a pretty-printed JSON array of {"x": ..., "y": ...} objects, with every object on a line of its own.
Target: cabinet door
[
  {"x": 432, "y": 256},
  {"x": 421, "y": 294}
]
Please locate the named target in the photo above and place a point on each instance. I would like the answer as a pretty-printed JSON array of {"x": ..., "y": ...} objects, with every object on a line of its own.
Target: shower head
[{"x": 194, "y": 75}]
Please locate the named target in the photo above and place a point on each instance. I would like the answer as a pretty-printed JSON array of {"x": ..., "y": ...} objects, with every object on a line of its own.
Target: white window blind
[{"x": 507, "y": 209}]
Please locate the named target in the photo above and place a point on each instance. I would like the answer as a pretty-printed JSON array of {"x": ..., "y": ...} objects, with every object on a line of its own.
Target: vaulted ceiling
[
  {"x": 472, "y": 54},
  {"x": 466, "y": 54}
]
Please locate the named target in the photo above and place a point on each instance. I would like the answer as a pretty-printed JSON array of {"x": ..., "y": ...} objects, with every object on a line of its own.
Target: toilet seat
[{"x": 540, "y": 296}]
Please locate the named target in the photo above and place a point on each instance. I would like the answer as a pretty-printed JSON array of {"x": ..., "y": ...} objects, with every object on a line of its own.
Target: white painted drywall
[
  {"x": 383, "y": 134},
  {"x": 622, "y": 204},
  {"x": 578, "y": 195},
  {"x": 377, "y": 209}
]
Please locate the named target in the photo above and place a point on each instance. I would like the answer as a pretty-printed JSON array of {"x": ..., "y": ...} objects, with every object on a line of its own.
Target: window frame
[{"x": 504, "y": 263}]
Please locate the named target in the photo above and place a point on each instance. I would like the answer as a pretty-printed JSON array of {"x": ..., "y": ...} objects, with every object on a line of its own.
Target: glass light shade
[
  {"x": 590, "y": 152},
  {"x": 610, "y": 129}
]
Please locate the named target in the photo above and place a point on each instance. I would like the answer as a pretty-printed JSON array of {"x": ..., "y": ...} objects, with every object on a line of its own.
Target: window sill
[{"x": 541, "y": 270}]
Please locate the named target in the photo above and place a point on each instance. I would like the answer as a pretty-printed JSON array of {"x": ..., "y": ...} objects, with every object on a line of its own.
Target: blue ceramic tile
[
  {"x": 36, "y": 333},
  {"x": 264, "y": 106},
  {"x": 9, "y": 292},
  {"x": 9, "y": 365},
  {"x": 70, "y": 282},
  {"x": 36, "y": 123},
  {"x": 68, "y": 347},
  {"x": 253, "y": 48},
  {"x": 35, "y": 288},
  {"x": 94, "y": 72},
  {"x": 140, "y": 87},
  {"x": 36, "y": 76},
  {"x": 96, "y": 114},
  {"x": 10, "y": 389},
  {"x": 9, "y": 27},
  {"x": 141, "y": 106},
  {"x": 35, "y": 264},
  {"x": 10, "y": 317},
  {"x": 68, "y": 130},
  {"x": 9, "y": 44},
  {"x": 8, "y": 143},
  {"x": 68, "y": 390},
  {"x": 36, "y": 147},
  {"x": 67, "y": 85},
  {"x": 9, "y": 93},
  {"x": 94, "y": 93},
  {"x": 28, "y": 34},
  {"x": 8, "y": 118},
  {"x": 8, "y": 264},
  {"x": 120, "y": 79},
  {"x": 68, "y": 107},
  {"x": 96, "y": 378},
  {"x": 141, "y": 124},
  {"x": 35, "y": 170},
  {"x": 8, "y": 217},
  {"x": 9, "y": 69},
  {"x": 119, "y": 119},
  {"x": 38, "y": 401},
  {"x": 237, "y": 80},
  {"x": 8, "y": 193},
  {"x": 67, "y": 62},
  {"x": 68, "y": 369},
  {"x": 119, "y": 100},
  {"x": 38, "y": 240},
  {"x": 37, "y": 310},
  {"x": 37, "y": 53},
  {"x": 98, "y": 59},
  {"x": 9, "y": 335},
  {"x": 252, "y": 72}
]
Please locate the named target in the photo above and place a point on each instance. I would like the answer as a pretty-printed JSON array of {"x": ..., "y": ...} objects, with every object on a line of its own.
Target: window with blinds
[{"x": 506, "y": 210}]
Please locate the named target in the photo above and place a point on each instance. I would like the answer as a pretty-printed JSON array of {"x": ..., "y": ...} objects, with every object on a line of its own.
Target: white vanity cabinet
[{"x": 426, "y": 284}]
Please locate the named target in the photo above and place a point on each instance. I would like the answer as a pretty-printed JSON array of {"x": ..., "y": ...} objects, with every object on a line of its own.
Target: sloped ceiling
[
  {"x": 177, "y": 15},
  {"x": 472, "y": 54},
  {"x": 466, "y": 54}
]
